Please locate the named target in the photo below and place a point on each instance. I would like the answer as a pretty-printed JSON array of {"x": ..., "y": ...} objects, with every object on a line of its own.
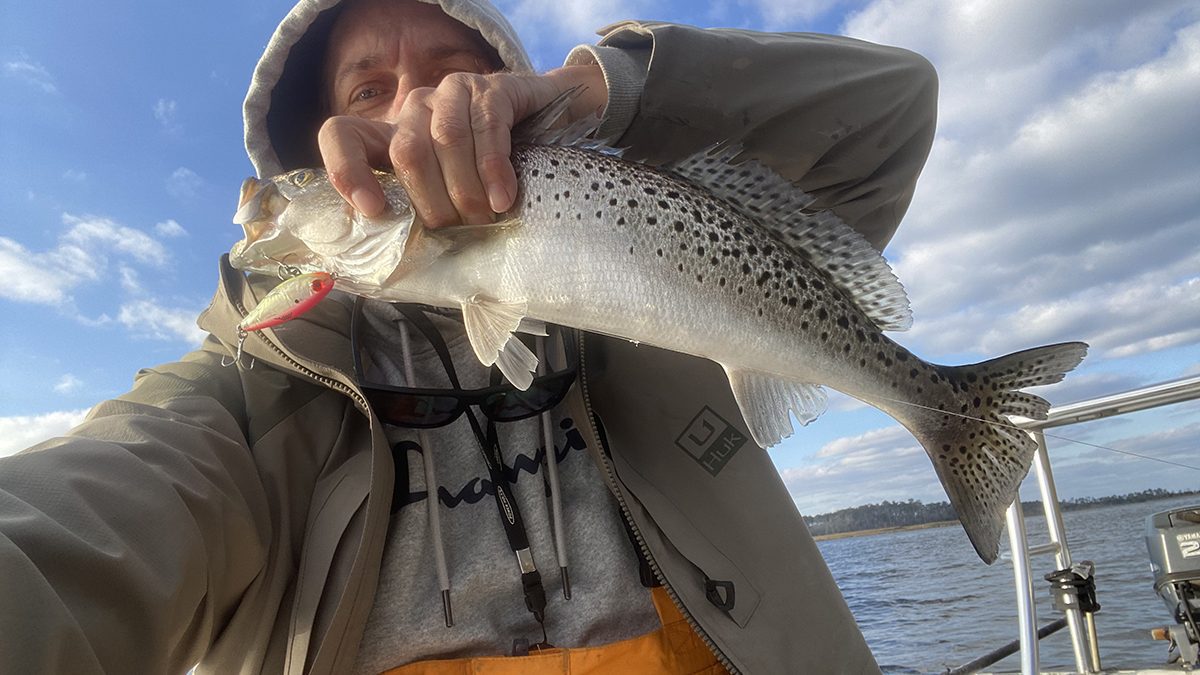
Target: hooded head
[{"x": 284, "y": 107}]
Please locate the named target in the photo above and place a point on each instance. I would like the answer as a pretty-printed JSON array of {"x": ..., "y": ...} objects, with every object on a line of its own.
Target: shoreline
[{"x": 883, "y": 530}]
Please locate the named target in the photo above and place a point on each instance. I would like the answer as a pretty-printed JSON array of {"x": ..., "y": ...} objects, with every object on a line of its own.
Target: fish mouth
[{"x": 259, "y": 206}]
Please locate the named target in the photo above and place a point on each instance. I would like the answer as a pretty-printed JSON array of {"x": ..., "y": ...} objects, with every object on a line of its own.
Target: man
[{"x": 271, "y": 519}]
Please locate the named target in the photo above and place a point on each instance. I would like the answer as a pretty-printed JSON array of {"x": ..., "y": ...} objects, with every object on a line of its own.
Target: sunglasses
[{"x": 427, "y": 408}]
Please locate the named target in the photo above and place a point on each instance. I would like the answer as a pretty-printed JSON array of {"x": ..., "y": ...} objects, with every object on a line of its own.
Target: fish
[{"x": 713, "y": 255}]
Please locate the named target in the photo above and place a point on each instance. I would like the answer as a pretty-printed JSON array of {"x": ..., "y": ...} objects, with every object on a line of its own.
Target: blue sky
[{"x": 1061, "y": 202}]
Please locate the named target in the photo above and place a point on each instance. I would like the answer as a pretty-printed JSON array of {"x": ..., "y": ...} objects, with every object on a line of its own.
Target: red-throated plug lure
[{"x": 288, "y": 300}]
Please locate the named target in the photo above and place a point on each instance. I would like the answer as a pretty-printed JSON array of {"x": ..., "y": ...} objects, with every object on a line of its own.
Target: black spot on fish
[
  {"x": 609, "y": 184},
  {"x": 649, "y": 190},
  {"x": 822, "y": 314},
  {"x": 672, "y": 194},
  {"x": 651, "y": 220},
  {"x": 762, "y": 279},
  {"x": 553, "y": 162},
  {"x": 574, "y": 173},
  {"x": 534, "y": 173},
  {"x": 843, "y": 322},
  {"x": 632, "y": 203},
  {"x": 679, "y": 226},
  {"x": 621, "y": 220},
  {"x": 662, "y": 204},
  {"x": 660, "y": 253},
  {"x": 566, "y": 194},
  {"x": 745, "y": 268}
]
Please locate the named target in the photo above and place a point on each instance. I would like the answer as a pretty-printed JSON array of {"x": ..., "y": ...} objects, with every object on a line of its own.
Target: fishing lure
[{"x": 288, "y": 300}]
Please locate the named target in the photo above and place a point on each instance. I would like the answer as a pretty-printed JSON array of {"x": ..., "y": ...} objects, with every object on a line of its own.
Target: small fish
[
  {"x": 288, "y": 300},
  {"x": 705, "y": 256}
]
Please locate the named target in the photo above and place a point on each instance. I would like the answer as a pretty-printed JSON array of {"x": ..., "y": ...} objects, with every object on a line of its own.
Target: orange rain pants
[{"x": 674, "y": 649}]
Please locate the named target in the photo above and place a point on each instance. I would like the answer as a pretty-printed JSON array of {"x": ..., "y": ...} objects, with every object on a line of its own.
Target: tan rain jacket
[{"x": 236, "y": 517}]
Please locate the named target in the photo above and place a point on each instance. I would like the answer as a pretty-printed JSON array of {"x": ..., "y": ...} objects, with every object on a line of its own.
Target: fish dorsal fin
[
  {"x": 543, "y": 127},
  {"x": 820, "y": 237}
]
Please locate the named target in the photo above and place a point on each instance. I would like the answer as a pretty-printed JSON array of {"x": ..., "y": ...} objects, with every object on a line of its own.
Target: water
[{"x": 925, "y": 602}]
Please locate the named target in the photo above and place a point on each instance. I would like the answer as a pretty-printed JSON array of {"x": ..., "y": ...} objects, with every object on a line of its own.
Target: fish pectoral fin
[
  {"x": 490, "y": 325},
  {"x": 457, "y": 237},
  {"x": 765, "y": 401}
]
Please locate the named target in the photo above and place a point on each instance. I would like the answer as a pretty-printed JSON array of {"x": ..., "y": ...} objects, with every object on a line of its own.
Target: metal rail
[{"x": 1082, "y": 629}]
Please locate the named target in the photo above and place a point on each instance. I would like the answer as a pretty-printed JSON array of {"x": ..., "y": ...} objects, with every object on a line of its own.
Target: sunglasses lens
[
  {"x": 415, "y": 410},
  {"x": 514, "y": 404}
]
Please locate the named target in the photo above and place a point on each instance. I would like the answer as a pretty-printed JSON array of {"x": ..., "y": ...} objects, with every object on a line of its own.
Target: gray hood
[{"x": 282, "y": 109}]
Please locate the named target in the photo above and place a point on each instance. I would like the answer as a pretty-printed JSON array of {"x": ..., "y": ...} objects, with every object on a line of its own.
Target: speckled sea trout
[{"x": 704, "y": 257}]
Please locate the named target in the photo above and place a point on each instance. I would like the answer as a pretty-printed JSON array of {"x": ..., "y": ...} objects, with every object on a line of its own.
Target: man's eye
[{"x": 365, "y": 93}]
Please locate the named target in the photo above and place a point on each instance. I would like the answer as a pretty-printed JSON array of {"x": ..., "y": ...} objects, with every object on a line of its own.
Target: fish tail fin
[{"x": 980, "y": 457}]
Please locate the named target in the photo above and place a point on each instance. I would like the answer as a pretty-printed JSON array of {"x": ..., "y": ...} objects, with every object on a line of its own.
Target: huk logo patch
[{"x": 710, "y": 440}]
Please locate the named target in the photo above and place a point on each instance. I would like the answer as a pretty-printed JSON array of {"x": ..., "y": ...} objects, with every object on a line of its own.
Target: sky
[{"x": 1061, "y": 201}]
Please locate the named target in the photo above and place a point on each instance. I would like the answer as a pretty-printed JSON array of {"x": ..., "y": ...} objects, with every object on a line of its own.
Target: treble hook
[{"x": 237, "y": 357}]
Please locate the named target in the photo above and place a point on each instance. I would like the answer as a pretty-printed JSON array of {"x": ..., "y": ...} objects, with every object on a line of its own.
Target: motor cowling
[{"x": 1173, "y": 542}]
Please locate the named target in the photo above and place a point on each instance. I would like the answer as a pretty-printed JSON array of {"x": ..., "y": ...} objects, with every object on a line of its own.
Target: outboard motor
[{"x": 1173, "y": 540}]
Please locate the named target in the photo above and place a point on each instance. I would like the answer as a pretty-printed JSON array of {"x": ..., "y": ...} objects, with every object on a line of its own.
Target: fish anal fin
[
  {"x": 766, "y": 401},
  {"x": 490, "y": 325}
]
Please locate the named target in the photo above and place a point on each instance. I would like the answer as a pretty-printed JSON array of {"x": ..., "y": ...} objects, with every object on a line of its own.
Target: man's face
[{"x": 380, "y": 50}]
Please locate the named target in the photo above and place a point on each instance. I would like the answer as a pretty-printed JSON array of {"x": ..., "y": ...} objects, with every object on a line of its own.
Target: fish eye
[{"x": 302, "y": 177}]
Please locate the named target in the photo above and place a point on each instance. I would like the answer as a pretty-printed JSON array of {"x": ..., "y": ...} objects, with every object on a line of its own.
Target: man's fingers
[
  {"x": 413, "y": 155},
  {"x": 491, "y": 124},
  {"x": 453, "y": 134},
  {"x": 349, "y": 147}
]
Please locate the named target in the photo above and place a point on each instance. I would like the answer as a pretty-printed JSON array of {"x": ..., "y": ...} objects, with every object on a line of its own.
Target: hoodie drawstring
[
  {"x": 431, "y": 490},
  {"x": 556, "y": 516}
]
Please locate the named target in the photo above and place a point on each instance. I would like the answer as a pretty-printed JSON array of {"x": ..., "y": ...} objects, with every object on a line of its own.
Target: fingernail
[
  {"x": 366, "y": 201},
  {"x": 498, "y": 197}
]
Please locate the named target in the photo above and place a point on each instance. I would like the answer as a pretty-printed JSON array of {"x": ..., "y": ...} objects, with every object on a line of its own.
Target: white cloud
[
  {"x": 888, "y": 460},
  {"x": 30, "y": 72},
  {"x": 166, "y": 112},
  {"x": 147, "y": 318},
  {"x": 22, "y": 431},
  {"x": 81, "y": 255},
  {"x": 129, "y": 280},
  {"x": 554, "y": 26},
  {"x": 89, "y": 232},
  {"x": 68, "y": 384},
  {"x": 75, "y": 175},
  {"x": 170, "y": 228},
  {"x": 1072, "y": 215},
  {"x": 184, "y": 184}
]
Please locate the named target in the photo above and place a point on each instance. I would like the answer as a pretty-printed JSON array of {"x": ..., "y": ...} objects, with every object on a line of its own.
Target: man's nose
[{"x": 404, "y": 87}]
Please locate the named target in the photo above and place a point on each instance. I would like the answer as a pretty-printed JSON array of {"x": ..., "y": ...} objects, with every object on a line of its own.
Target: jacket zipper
[
  {"x": 611, "y": 476},
  {"x": 308, "y": 372}
]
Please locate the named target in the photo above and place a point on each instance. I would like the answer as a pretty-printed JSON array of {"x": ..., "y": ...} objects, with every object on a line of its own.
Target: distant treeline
[{"x": 912, "y": 512}]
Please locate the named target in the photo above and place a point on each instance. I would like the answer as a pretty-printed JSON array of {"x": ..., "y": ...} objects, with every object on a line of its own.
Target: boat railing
[{"x": 1082, "y": 628}]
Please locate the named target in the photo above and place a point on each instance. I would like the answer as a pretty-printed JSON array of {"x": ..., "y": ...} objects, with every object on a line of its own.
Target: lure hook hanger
[{"x": 237, "y": 357}]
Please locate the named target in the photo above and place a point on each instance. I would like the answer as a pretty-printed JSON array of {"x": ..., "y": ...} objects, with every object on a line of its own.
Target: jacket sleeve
[
  {"x": 847, "y": 121},
  {"x": 126, "y": 543}
]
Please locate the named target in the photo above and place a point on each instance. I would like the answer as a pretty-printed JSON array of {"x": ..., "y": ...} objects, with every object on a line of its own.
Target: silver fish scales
[{"x": 705, "y": 257}]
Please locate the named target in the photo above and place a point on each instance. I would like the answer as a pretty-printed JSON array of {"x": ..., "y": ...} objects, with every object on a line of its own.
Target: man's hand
[{"x": 449, "y": 145}]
